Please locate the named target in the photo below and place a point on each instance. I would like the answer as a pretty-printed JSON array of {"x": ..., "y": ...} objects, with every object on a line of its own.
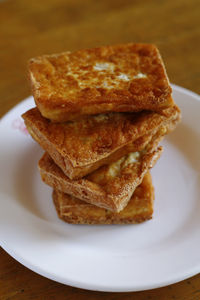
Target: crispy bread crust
[
  {"x": 101, "y": 188},
  {"x": 83, "y": 146},
  {"x": 120, "y": 78},
  {"x": 139, "y": 208}
]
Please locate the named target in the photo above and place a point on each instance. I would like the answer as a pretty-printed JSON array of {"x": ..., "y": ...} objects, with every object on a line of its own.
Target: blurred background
[{"x": 31, "y": 28}]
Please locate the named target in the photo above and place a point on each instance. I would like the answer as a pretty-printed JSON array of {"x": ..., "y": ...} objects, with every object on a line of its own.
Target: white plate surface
[{"x": 156, "y": 253}]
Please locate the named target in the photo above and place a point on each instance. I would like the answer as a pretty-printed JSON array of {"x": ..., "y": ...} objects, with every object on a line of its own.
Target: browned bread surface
[
  {"x": 82, "y": 146},
  {"x": 120, "y": 78},
  {"x": 110, "y": 186},
  {"x": 76, "y": 211}
]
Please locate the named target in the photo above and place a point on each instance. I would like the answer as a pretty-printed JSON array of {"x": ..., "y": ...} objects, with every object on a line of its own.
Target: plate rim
[{"x": 99, "y": 288}]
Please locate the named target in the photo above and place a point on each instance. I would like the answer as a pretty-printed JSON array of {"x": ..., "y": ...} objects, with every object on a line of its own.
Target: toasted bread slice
[
  {"x": 138, "y": 209},
  {"x": 110, "y": 186},
  {"x": 120, "y": 78},
  {"x": 83, "y": 146}
]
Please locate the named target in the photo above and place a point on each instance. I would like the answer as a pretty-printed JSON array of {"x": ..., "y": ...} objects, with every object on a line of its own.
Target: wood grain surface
[{"x": 30, "y": 28}]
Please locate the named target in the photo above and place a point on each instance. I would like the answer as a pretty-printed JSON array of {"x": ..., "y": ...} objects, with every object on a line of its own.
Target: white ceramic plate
[{"x": 156, "y": 253}]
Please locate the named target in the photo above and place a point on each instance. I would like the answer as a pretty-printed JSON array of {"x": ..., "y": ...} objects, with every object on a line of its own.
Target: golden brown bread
[
  {"x": 110, "y": 186},
  {"x": 76, "y": 211},
  {"x": 120, "y": 78},
  {"x": 83, "y": 146}
]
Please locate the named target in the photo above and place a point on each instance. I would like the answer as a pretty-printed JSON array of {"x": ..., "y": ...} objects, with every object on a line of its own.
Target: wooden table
[{"x": 30, "y": 28}]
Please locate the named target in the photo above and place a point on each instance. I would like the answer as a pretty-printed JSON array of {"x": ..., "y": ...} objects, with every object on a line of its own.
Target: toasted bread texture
[
  {"x": 82, "y": 146},
  {"x": 110, "y": 186},
  {"x": 138, "y": 209},
  {"x": 120, "y": 78}
]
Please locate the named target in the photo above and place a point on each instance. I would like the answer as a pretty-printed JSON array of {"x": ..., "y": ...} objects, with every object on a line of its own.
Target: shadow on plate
[
  {"x": 188, "y": 142},
  {"x": 26, "y": 172}
]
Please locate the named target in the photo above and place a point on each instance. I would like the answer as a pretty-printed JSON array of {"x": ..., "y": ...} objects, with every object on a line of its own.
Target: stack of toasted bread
[{"x": 100, "y": 115}]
